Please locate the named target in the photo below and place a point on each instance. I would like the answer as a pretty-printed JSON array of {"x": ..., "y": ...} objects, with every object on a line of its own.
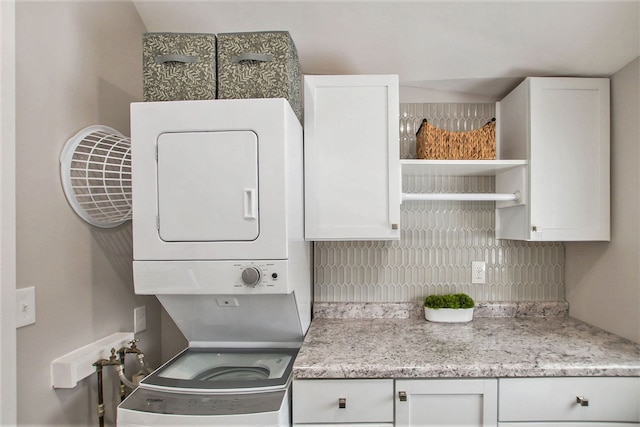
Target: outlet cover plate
[{"x": 478, "y": 272}]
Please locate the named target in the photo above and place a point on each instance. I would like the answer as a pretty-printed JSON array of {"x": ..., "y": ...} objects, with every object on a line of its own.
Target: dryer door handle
[{"x": 250, "y": 203}]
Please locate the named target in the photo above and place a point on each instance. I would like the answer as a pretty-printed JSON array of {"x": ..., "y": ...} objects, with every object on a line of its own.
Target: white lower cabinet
[
  {"x": 448, "y": 402},
  {"x": 576, "y": 424},
  {"x": 505, "y": 402},
  {"x": 367, "y": 402},
  {"x": 559, "y": 402}
]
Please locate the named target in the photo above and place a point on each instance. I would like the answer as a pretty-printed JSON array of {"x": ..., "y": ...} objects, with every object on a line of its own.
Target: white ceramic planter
[{"x": 448, "y": 315}]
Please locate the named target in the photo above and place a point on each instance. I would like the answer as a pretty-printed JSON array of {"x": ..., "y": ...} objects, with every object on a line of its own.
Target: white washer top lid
[{"x": 236, "y": 320}]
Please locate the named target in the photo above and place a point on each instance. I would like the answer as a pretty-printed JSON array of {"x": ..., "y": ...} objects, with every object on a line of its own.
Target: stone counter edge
[{"x": 414, "y": 310}]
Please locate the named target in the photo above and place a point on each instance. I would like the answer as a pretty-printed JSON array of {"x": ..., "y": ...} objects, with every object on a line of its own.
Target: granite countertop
[{"x": 534, "y": 346}]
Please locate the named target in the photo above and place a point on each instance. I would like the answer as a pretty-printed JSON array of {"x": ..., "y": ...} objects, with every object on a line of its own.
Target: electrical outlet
[
  {"x": 139, "y": 319},
  {"x": 478, "y": 272}
]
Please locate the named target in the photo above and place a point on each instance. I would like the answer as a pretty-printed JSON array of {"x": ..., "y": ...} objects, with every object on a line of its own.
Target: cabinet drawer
[
  {"x": 556, "y": 399},
  {"x": 373, "y": 425},
  {"x": 568, "y": 424},
  {"x": 364, "y": 401}
]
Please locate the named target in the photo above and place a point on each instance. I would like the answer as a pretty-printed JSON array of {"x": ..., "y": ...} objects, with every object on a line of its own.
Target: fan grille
[{"x": 96, "y": 175}]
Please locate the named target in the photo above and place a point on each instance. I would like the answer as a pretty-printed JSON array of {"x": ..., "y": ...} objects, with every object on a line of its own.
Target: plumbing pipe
[
  {"x": 118, "y": 362},
  {"x": 143, "y": 369},
  {"x": 123, "y": 390},
  {"x": 143, "y": 364},
  {"x": 99, "y": 364},
  {"x": 124, "y": 379}
]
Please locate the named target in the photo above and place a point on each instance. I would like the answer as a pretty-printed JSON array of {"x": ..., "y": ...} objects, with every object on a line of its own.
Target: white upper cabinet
[
  {"x": 351, "y": 154},
  {"x": 561, "y": 126}
]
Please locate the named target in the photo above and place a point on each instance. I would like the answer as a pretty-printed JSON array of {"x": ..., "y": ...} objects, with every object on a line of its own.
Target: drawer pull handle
[
  {"x": 402, "y": 395},
  {"x": 342, "y": 403},
  {"x": 582, "y": 401}
]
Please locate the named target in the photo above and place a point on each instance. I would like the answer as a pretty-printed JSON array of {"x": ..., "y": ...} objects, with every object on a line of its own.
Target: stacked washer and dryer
[{"x": 218, "y": 231}]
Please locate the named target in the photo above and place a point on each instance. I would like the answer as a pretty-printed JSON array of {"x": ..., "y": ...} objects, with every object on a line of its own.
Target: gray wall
[
  {"x": 602, "y": 280},
  {"x": 78, "y": 64}
]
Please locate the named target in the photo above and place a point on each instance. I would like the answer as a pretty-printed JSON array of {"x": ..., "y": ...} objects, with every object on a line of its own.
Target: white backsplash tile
[{"x": 439, "y": 240}]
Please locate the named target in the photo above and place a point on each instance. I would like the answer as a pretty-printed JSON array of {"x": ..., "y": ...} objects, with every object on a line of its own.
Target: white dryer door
[{"x": 208, "y": 186}]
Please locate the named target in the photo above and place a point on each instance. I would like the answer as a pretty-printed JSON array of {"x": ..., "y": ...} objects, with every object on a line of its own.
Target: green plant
[{"x": 449, "y": 301}]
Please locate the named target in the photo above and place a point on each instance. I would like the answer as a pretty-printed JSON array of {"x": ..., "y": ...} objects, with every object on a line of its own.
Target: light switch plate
[{"x": 25, "y": 306}]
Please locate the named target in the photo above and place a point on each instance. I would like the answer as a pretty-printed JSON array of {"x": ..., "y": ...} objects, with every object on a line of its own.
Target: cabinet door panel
[
  {"x": 569, "y": 158},
  {"x": 352, "y": 165},
  {"x": 563, "y": 125},
  {"x": 447, "y": 403},
  {"x": 348, "y": 425},
  {"x": 208, "y": 186}
]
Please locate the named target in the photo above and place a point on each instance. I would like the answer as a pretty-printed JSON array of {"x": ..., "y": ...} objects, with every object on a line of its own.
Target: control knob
[{"x": 251, "y": 276}]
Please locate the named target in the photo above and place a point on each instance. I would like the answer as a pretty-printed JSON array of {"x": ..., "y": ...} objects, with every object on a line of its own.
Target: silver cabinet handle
[
  {"x": 342, "y": 403},
  {"x": 402, "y": 395},
  {"x": 582, "y": 401}
]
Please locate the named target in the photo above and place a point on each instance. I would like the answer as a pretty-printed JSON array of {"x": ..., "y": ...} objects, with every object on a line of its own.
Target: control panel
[
  {"x": 217, "y": 277},
  {"x": 259, "y": 274}
]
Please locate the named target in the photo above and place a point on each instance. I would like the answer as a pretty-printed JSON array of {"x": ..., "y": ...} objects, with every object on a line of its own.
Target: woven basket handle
[
  {"x": 252, "y": 56},
  {"x": 174, "y": 57}
]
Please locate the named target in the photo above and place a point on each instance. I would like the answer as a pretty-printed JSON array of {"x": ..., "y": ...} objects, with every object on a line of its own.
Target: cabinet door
[
  {"x": 352, "y": 164},
  {"x": 208, "y": 186},
  {"x": 569, "y": 159},
  {"x": 562, "y": 127},
  {"x": 440, "y": 403},
  {"x": 359, "y": 425}
]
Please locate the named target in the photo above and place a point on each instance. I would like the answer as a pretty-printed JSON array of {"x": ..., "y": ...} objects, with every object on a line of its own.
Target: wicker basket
[{"x": 433, "y": 143}]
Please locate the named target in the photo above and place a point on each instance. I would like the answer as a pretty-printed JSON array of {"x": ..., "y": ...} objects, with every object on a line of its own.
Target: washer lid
[
  {"x": 235, "y": 320},
  {"x": 225, "y": 370}
]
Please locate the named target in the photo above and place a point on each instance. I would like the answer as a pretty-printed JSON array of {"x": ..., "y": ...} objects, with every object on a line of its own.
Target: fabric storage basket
[
  {"x": 178, "y": 66},
  {"x": 433, "y": 143},
  {"x": 259, "y": 65}
]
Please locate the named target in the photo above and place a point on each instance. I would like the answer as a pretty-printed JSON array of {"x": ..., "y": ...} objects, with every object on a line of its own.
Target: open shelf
[
  {"x": 515, "y": 195},
  {"x": 458, "y": 167}
]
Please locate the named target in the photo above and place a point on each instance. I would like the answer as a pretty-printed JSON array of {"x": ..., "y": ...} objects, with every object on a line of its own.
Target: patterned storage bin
[
  {"x": 178, "y": 66},
  {"x": 259, "y": 65}
]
